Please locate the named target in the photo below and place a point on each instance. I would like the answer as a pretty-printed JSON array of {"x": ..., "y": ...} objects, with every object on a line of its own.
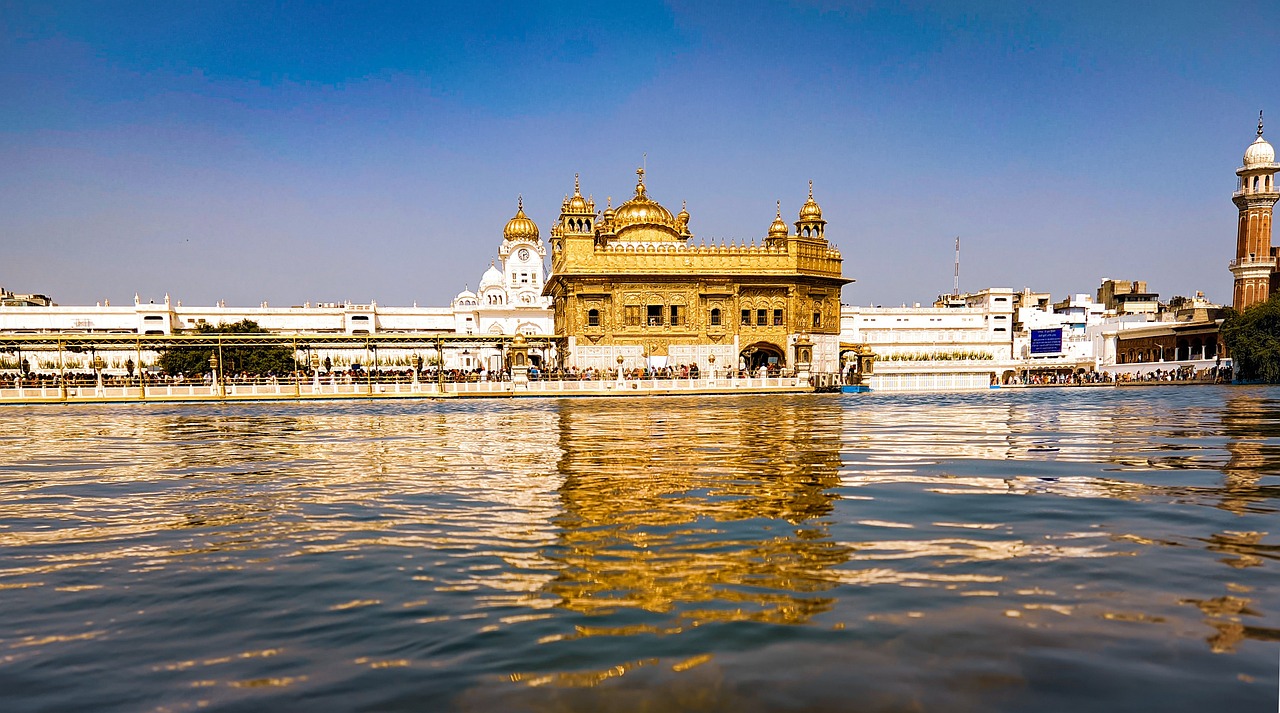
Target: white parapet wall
[{"x": 935, "y": 375}]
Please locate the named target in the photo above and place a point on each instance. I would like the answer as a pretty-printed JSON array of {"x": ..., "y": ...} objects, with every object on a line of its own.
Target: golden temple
[{"x": 629, "y": 286}]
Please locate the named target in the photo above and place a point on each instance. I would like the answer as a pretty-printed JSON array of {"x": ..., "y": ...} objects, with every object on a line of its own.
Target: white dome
[
  {"x": 492, "y": 278},
  {"x": 1259, "y": 153},
  {"x": 466, "y": 298}
]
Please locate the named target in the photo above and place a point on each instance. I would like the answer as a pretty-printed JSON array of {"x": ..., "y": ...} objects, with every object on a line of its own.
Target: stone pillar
[{"x": 98, "y": 366}]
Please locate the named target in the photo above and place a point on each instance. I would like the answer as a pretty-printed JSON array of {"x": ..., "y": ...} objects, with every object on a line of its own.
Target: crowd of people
[
  {"x": 1184, "y": 374},
  {"x": 678, "y": 371},
  {"x": 358, "y": 374},
  {"x": 1064, "y": 379},
  {"x": 404, "y": 375},
  {"x": 1213, "y": 374}
]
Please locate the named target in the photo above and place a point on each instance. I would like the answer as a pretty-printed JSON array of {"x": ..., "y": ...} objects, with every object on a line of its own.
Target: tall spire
[
  {"x": 810, "y": 189},
  {"x": 519, "y": 201},
  {"x": 1259, "y": 123},
  {"x": 577, "y": 191}
]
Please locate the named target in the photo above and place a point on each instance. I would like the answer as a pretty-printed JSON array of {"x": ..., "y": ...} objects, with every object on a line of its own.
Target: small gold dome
[
  {"x": 608, "y": 210},
  {"x": 576, "y": 204},
  {"x": 520, "y": 227},
  {"x": 810, "y": 209},
  {"x": 778, "y": 229}
]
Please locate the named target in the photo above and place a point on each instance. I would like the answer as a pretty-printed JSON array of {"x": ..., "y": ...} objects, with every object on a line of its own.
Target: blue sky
[{"x": 294, "y": 152}]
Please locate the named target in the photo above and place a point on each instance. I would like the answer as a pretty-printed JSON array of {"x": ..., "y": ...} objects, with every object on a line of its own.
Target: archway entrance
[{"x": 761, "y": 354}]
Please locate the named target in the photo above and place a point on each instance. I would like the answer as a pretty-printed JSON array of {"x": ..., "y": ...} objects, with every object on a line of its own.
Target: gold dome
[
  {"x": 778, "y": 229},
  {"x": 520, "y": 227},
  {"x": 576, "y": 204},
  {"x": 810, "y": 209},
  {"x": 640, "y": 211}
]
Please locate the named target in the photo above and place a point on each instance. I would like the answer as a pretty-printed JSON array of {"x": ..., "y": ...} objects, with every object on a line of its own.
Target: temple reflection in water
[{"x": 647, "y": 488}]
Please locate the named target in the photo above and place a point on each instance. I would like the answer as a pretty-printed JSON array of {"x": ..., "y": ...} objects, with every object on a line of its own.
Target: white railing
[
  {"x": 1252, "y": 262},
  {"x": 268, "y": 390}
]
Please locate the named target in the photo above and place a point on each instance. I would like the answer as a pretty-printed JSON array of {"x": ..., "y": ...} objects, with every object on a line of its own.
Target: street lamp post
[
  {"x": 217, "y": 380},
  {"x": 97, "y": 368},
  {"x": 24, "y": 368}
]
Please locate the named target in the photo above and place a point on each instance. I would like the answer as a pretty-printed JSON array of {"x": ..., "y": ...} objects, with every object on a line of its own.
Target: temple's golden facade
[{"x": 630, "y": 286}]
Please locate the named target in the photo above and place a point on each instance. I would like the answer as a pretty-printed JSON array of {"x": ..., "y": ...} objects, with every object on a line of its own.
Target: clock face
[{"x": 524, "y": 253}]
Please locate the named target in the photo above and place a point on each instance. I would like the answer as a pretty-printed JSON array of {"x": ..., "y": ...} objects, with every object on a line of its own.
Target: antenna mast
[{"x": 955, "y": 285}]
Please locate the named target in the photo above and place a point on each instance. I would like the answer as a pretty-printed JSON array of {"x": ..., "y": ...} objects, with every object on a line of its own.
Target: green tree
[
  {"x": 1252, "y": 338},
  {"x": 254, "y": 359}
]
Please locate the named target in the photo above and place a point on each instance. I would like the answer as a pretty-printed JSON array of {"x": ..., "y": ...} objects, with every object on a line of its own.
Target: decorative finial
[
  {"x": 684, "y": 205},
  {"x": 520, "y": 202},
  {"x": 640, "y": 181},
  {"x": 1259, "y": 123},
  {"x": 610, "y": 200},
  {"x": 779, "y": 210},
  {"x": 576, "y": 190},
  {"x": 810, "y": 189}
]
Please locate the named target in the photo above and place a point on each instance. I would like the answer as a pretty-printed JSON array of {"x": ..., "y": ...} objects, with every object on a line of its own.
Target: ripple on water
[{"x": 1109, "y": 549}]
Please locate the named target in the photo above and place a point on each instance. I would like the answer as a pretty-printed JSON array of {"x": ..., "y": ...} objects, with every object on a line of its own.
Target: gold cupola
[
  {"x": 520, "y": 227},
  {"x": 644, "y": 220},
  {"x": 577, "y": 214},
  {"x": 778, "y": 229},
  {"x": 682, "y": 219},
  {"x": 576, "y": 204},
  {"x": 811, "y": 224},
  {"x": 810, "y": 209}
]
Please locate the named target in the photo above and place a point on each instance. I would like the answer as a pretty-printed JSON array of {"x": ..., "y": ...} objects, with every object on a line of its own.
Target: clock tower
[{"x": 522, "y": 254}]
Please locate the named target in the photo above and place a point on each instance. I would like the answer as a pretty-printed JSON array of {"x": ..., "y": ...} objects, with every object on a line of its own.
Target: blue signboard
[{"x": 1046, "y": 341}]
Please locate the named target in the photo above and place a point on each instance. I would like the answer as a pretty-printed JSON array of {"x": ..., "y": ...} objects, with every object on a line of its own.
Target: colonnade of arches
[
  {"x": 1186, "y": 348},
  {"x": 577, "y": 225}
]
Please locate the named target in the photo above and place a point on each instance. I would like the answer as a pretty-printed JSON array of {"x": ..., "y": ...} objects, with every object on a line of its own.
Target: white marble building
[{"x": 509, "y": 302}]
